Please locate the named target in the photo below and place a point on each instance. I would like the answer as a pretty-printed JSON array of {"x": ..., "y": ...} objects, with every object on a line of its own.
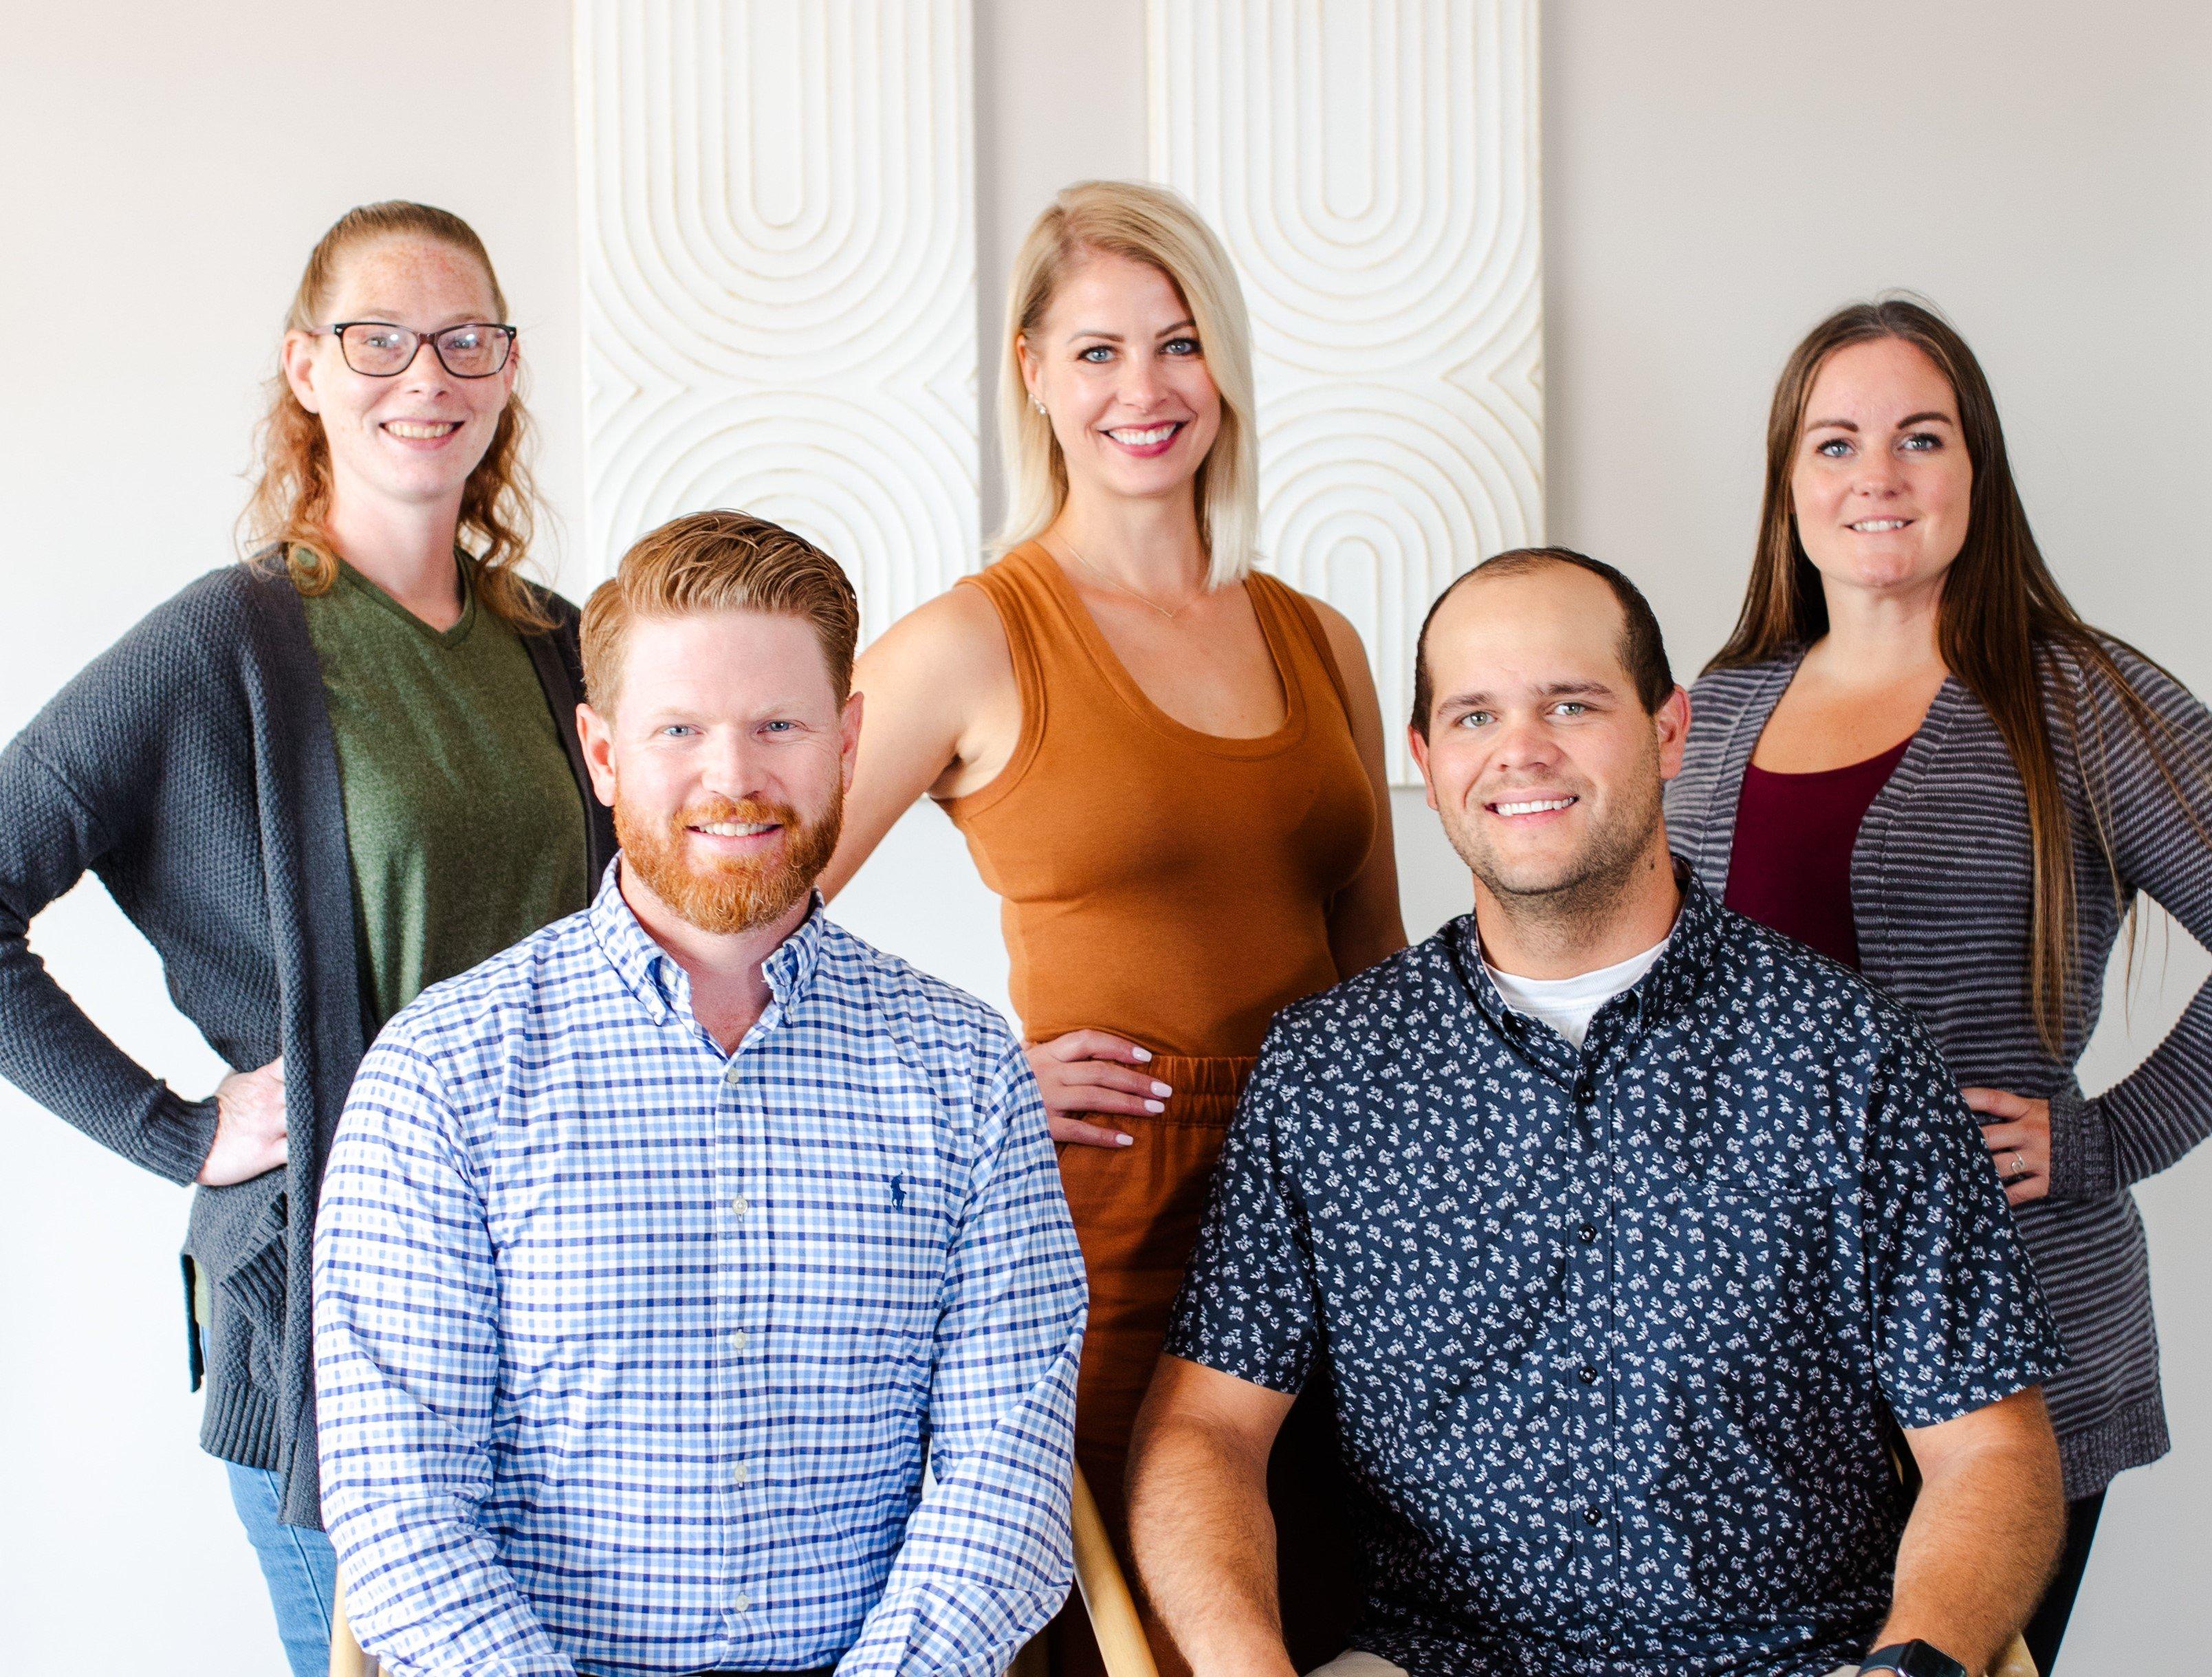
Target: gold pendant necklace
[{"x": 1119, "y": 588}]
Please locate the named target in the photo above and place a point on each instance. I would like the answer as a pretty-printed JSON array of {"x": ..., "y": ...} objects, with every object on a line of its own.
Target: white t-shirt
[{"x": 1568, "y": 1005}]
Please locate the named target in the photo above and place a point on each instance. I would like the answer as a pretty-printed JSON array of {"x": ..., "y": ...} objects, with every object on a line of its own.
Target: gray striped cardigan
[{"x": 1941, "y": 899}]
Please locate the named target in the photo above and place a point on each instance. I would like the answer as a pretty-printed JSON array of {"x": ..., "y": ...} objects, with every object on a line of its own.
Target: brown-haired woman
[
  {"x": 317, "y": 781},
  {"x": 1913, "y": 755},
  {"x": 1168, "y": 765}
]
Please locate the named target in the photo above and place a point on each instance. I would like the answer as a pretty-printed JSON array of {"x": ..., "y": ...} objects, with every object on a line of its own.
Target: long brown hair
[
  {"x": 291, "y": 497},
  {"x": 2004, "y": 627}
]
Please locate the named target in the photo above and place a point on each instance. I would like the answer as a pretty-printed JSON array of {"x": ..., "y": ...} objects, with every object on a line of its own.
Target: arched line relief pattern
[
  {"x": 779, "y": 252},
  {"x": 1372, "y": 166}
]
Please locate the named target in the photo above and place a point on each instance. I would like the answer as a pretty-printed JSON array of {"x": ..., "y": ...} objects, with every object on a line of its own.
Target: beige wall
[{"x": 1717, "y": 175}]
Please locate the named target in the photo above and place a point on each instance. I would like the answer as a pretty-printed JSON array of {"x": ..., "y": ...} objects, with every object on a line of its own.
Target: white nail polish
[
  {"x": 1154, "y": 1106},
  {"x": 1125, "y": 1141},
  {"x": 1143, "y": 1054},
  {"x": 1162, "y": 1090}
]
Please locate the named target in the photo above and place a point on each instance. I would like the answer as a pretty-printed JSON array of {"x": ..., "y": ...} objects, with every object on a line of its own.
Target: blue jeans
[{"x": 300, "y": 1565}]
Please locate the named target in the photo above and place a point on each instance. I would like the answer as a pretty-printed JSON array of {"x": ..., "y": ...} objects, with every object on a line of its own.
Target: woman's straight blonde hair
[
  {"x": 1151, "y": 225},
  {"x": 291, "y": 494}
]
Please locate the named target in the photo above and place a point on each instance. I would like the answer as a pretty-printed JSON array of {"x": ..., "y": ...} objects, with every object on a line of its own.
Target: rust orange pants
[{"x": 1137, "y": 1211}]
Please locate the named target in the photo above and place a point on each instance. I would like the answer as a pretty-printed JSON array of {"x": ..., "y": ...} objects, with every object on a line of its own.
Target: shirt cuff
[
  {"x": 178, "y": 1133},
  {"x": 2081, "y": 1166}
]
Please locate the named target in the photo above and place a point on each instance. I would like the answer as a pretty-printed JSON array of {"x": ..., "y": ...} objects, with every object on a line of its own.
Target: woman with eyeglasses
[
  {"x": 317, "y": 781},
  {"x": 1914, "y": 755}
]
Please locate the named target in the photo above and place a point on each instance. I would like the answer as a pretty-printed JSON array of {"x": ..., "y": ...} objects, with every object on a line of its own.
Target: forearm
[
  {"x": 2147, "y": 1121},
  {"x": 50, "y": 1048},
  {"x": 407, "y": 1374},
  {"x": 1204, "y": 1542},
  {"x": 1978, "y": 1551},
  {"x": 426, "y": 1593},
  {"x": 2149, "y": 796},
  {"x": 52, "y": 1051},
  {"x": 402, "y": 1479},
  {"x": 942, "y": 1613},
  {"x": 986, "y": 1558}
]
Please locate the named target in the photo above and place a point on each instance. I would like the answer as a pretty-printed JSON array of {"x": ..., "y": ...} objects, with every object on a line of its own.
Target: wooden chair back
[
  {"x": 347, "y": 1658},
  {"x": 1113, "y": 1622}
]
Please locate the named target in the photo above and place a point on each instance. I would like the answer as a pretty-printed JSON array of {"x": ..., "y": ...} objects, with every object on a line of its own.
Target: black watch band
[{"x": 1913, "y": 1659}]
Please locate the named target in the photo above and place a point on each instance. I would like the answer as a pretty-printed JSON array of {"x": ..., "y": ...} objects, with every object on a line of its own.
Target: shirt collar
[
  {"x": 651, "y": 974},
  {"x": 791, "y": 969},
  {"x": 1674, "y": 982},
  {"x": 1681, "y": 976}
]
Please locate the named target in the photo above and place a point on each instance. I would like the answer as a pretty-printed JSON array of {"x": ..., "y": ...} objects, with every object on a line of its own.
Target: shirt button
[
  {"x": 741, "y": 1474},
  {"x": 1587, "y": 1375},
  {"x": 1587, "y": 1233},
  {"x": 740, "y": 1205},
  {"x": 738, "y": 1340},
  {"x": 744, "y": 1603},
  {"x": 732, "y": 1076},
  {"x": 1589, "y": 1518}
]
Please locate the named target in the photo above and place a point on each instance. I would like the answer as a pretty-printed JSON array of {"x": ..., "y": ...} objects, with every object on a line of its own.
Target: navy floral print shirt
[{"x": 1613, "y": 1334}]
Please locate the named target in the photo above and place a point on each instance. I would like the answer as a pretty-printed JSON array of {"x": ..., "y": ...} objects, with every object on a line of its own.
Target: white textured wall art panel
[
  {"x": 1372, "y": 166},
  {"x": 779, "y": 256}
]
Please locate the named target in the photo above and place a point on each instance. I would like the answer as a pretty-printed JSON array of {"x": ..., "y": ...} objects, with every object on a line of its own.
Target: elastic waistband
[{"x": 1222, "y": 1076}]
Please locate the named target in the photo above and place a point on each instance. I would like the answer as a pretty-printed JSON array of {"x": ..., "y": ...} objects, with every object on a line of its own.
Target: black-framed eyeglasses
[{"x": 382, "y": 350}]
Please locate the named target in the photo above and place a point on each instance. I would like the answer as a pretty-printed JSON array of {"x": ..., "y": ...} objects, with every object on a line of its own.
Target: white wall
[{"x": 1717, "y": 175}]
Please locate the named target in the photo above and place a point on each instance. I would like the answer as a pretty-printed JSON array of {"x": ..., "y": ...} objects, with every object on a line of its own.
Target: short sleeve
[
  {"x": 1959, "y": 1320},
  {"x": 1247, "y": 1303}
]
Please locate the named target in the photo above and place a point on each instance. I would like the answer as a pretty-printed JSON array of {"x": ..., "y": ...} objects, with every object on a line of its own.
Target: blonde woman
[
  {"x": 317, "y": 781},
  {"x": 1169, "y": 766}
]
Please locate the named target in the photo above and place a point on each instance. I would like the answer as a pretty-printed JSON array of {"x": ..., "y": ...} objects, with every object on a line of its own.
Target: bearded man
[
  {"x": 1623, "y": 1228},
  {"x": 658, "y": 1253}
]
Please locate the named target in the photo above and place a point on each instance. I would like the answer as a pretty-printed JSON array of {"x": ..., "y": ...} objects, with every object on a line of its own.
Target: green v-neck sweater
[
  {"x": 192, "y": 768},
  {"x": 448, "y": 756}
]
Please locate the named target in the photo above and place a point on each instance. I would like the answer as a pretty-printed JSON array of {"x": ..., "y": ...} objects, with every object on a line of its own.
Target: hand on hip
[{"x": 1087, "y": 1073}]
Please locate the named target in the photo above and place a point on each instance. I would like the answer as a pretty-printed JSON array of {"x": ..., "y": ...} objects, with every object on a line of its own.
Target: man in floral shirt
[{"x": 1622, "y": 1227}]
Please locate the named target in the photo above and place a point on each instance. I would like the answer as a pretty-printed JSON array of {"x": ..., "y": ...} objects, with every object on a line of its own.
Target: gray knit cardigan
[
  {"x": 190, "y": 768},
  {"x": 1941, "y": 898}
]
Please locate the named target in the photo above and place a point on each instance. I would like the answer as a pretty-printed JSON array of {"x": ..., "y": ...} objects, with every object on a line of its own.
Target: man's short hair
[
  {"x": 719, "y": 561},
  {"x": 1642, "y": 649}
]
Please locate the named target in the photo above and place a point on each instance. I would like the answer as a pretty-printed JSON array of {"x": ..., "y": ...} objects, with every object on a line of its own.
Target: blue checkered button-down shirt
[{"x": 630, "y": 1351}]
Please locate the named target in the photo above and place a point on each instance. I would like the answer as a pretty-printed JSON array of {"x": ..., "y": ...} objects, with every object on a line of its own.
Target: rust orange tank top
[{"x": 1170, "y": 886}]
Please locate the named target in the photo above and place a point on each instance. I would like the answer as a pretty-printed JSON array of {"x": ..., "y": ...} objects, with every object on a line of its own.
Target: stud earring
[{"x": 1038, "y": 401}]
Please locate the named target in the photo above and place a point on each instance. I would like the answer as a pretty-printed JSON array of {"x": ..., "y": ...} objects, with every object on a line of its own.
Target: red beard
[{"x": 729, "y": 894}]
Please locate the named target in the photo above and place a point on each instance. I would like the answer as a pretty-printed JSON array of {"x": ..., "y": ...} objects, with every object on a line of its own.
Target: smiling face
[
  {"x": 726, "y": 758},
  {"x": 410, "y": 440},
  {"x": 1117, "y": 363},
  {"x": 1539, "y": 756},
  {"x": 1881, "y": 484}
]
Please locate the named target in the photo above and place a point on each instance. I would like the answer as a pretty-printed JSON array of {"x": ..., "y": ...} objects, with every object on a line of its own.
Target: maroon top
[{"x": 1791, "y": 865}]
